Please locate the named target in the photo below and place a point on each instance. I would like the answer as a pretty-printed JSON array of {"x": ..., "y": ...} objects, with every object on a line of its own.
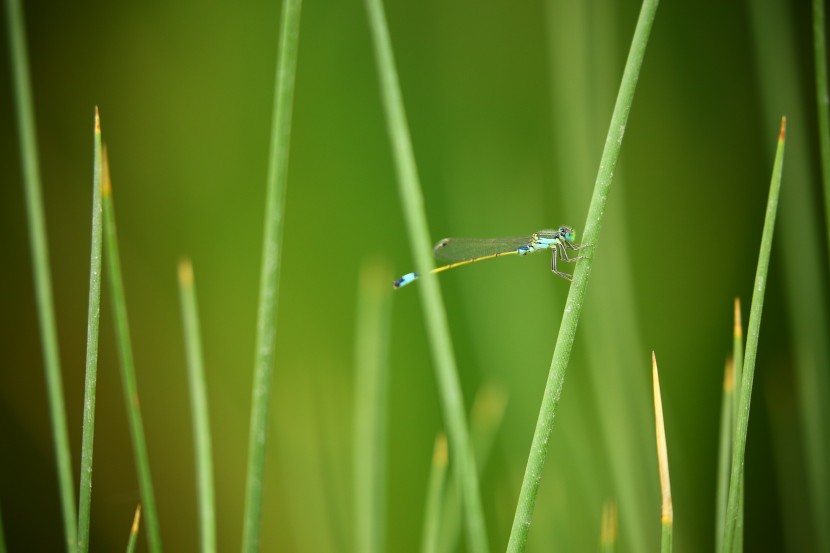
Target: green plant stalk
[
  {"x": 738, "y": 359},
  {"x": 269, "y": 276},
  {"x": 573, "y": 305},
  {"x": 724, "y": 450},
  {"x": 133, "y": 539},
  {"x": 822, "y": 99},
  {"x": 583, "y": 52},
  {"x": 198, "y": 407},
  {"x": 371, "y": 383},
  {"x": 434, "y": 511},
  {"x": 803, "y": 268},
  {"x": 753, "y": 331},
  {"x": 431, "y": 300},
  {"x": 125, "y": 353},
  {"x": 92, "y": 326},
  {"x": 485, "y": 420},
  {"x": 40, "y": 265}
]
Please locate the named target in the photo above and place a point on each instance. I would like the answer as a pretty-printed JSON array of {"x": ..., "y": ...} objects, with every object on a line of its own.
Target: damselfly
[{"x": 463, "y": 251}]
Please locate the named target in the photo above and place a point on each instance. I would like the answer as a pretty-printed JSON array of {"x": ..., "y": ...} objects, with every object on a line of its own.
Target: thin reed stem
[
  {"x": 431, "y": 301},
  {"x": 727, "y": 425},
  {"x": 371, "y": 383},
  {"x": 573, "y": 306},
  {"x": 822, "y": 101},
  {"x": 133, "y": 539},
  {"x": 198, "y": 407},
  {"x": 125, "y": 354},
  {"x": 269, "y": 276},
  {"x": 92, "y": 326},
  {"x": 739, "y": 443},
  {"x": 40, "y": 265},
  {"x": 608, "y": 528}
]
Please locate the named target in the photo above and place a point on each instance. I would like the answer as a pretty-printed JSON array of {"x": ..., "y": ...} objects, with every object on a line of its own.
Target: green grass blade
[
  {"x": 431, "y": 300},
  {"x": 738, "y": 360},
  {"x": 269, "y": 276},
  {"x": 371, "y": 383},
  {"x": 198, "y": 407},
  {"x": 125, "y": 353},
  {"x": 434, "y": 513},
  {"x": 608, "y": 528},
  {"x": 133, "y": 539},
  {"x": 753, "y": 332},
  {"x": 822, "y": 100},
  {"x": 573, "y": 306},
  {"x": 93, "y": 320},
  {"x": 666, "y": 509},
  {"x": 724, "y": 450},
  {"x": 40, "y": 265},
  {"x": 485, "y": 420}
]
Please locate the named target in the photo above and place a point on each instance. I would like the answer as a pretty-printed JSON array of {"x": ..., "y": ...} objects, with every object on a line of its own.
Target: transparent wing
[{"x": 453, "y": 250}]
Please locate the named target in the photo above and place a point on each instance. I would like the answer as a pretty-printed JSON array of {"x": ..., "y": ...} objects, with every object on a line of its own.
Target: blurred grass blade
[
  {"x": 372, "y": 375},
  {"x": 803, "y": 268},
  {"x": 125, "y": 353},
  {"x": 434, "y": 512},
  {"x": 573, "y": 306},
  {"x": 133, "y": 539},
  {"x": 485, "y": 420},
  {"x": 93, "y": 320},
  {"x": 431, "y": 300},
  {"x": 198, "y": 407},
  {"x": 738, "y": 360},
  {"x": 822, "y": 99},
  {"x": 724, "y": 450},
  {"x": 753, "y": 331},
  {"x": 608, "y": 528},
  {"x": 666, "y": 510},
  {"x": 40, "y": 265},
  {"x": 269, "y": 276}
]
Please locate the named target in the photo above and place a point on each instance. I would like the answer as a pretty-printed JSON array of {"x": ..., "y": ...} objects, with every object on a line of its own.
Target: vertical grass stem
[
  {"x": 40, "y": 265},
  {"x": 573, "y": 305}
]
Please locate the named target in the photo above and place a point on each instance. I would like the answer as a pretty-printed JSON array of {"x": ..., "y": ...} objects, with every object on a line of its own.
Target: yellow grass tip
[
  {"x": 662, "y": 450},
  {"x": 97, "y": 121},
  {"x": 489, "y": 404},
  {"x": 729, "y": 376},
  {"x": 739, "y": 328},
  {"x": 136, "y": 519},
  {"x": 608, "y": 528},
  {"x": 439, "y": 454},
  {"x": 783, "y": 134},
  {"x": 106, "y": 183},
  {"x": 185, "y": 272}
]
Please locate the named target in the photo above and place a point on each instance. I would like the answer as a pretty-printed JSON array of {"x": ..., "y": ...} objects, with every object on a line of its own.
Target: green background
[{"x": 508, "y": 105}]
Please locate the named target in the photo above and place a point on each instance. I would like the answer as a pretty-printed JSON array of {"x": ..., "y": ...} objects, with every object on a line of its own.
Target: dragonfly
[{"x": 463, "y": 251}]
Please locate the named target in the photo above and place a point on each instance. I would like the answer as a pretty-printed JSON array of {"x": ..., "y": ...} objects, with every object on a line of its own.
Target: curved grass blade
[
  {"x": 727, "y": 425},
  {"x": 573, "y": 306},
  {"x": 127, "y": 365},
  {"x": 93, "y": 320},
  {"x": 198, "y": 408},
  {"x": 431, "y": 300},
  {"x": 371, "y": 383},
  {"x": 269, "y": 276},
  {"x": 40, "y": 265},
  {"x": 133, "y": 539},
  {"x": 753, "y": 332}
]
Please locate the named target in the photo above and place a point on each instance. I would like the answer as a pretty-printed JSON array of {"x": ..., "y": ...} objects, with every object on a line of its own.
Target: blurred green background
[{"x": 508, "y": 105}]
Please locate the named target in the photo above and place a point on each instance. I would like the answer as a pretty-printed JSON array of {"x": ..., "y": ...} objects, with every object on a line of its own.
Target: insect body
[{"x": 463, "y": 251}]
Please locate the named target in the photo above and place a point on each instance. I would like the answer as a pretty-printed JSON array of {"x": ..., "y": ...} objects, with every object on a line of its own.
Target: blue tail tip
[{"x": 404, "y": 280}]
